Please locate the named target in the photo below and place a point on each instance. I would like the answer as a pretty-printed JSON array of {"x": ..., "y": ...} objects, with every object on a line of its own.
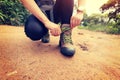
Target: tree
[
  {"x": 12, "y": 12},
  {"x": 114, "y": 7},
  {"x": 94, "y": 19}
]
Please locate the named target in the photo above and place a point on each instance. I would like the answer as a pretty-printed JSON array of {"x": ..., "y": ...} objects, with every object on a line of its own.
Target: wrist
[
  {"x": 80, "y": 13},
  {"x": 47, "y": 24},
  {"x": 80, "y": 10}
]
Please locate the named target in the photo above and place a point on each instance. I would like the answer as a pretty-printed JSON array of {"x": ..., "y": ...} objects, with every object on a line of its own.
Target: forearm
[
  {"x": 35, "y": 10},
  {"x": 81, "y": 6},
  {"x": 81, "y": 3}
]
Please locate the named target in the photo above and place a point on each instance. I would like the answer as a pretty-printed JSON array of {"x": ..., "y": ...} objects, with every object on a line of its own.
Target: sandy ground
[{"x": 97, "y": 57}]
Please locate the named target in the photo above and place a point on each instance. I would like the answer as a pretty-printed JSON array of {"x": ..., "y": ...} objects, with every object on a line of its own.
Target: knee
[
  {"x": 34, "y": 29},
  {"x": 35, "y": 33},
  {"x": 32, "y": 35}
]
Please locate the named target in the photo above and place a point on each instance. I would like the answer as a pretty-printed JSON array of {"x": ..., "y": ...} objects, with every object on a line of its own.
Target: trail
[{"x": 97, "y": 57}]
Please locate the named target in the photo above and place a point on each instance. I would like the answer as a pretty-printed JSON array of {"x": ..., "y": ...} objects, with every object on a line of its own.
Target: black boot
[
  {"x": 65, "y": 43},
  {"x": 46, "y": 38}
]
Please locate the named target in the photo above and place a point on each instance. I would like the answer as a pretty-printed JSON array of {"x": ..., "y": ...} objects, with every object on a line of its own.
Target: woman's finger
[{"x": 72, "y": 21}]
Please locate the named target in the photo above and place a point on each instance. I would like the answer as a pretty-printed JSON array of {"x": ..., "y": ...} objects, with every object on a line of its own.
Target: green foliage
[
  {"x": 95, "y": 19},
  {"x": 113, "y": 6},
  {"x": 98, "y": 22},
  {"x": 102, "y": 28},
  {"x": 112, "y": 30},
  {"x": 12, "y": 12}
]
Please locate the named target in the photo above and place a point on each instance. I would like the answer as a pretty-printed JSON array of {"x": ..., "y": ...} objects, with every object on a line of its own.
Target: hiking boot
[
  {"x": 65, "y": 43},
  {"x": 46, "y": 38}
]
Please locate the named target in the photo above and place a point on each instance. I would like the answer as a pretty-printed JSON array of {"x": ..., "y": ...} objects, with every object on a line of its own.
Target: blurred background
[{"x": 100, "y": 15}]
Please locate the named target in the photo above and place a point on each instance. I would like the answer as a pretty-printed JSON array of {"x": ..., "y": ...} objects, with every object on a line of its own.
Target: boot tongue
[
  {"x": 66, "y": 32},
  {"x": 65, "y": 27}
]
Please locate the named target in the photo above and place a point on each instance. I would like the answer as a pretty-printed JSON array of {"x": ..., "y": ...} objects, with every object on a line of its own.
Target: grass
[{"x": 102, "y": 28}]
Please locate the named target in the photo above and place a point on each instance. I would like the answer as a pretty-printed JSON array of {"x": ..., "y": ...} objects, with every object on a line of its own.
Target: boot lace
[{"x": 67, "y": 35}]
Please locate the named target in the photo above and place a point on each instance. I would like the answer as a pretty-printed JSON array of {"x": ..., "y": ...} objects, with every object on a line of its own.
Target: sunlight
[{"x": 92, "y": 6}]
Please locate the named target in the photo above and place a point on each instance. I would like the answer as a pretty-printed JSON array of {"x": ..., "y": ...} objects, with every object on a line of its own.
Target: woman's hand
[
  {"x": 54, "y": 28},
  {"x": 76, "y": 19}
]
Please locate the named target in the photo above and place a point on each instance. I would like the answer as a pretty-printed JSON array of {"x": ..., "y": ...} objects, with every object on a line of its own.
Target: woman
[{"x": 40, "y": 22}]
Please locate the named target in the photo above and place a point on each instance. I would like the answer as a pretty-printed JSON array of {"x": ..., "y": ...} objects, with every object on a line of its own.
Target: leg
[
  {"x": 63, "y": 11},
  {"x": 35, "y": 29},
  {"x": 66, "y": 11}
]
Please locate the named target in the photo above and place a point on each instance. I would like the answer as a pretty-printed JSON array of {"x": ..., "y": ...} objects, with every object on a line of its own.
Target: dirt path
[{"x": 97, "y": 57}]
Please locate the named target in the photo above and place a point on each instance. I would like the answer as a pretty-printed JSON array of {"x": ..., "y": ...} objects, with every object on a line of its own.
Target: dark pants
[{"x": 62, "y": 12}]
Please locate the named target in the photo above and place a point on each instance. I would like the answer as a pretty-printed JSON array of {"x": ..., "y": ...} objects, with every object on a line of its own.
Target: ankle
[{"x": 65, "y": 27}]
